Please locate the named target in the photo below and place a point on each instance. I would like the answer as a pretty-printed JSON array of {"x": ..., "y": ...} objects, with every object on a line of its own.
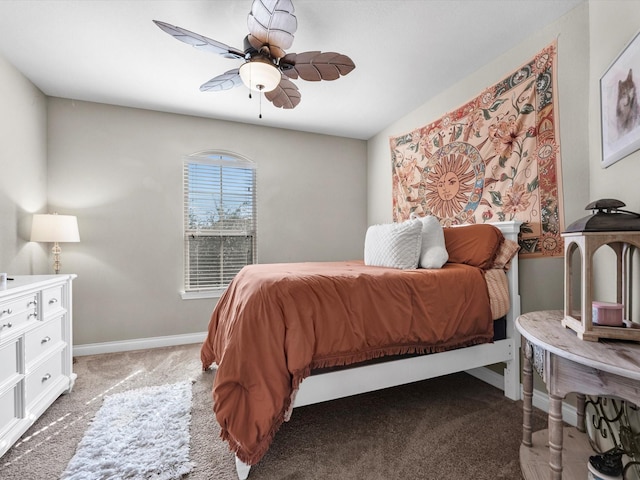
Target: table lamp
[{"x": 55, "y": 228}]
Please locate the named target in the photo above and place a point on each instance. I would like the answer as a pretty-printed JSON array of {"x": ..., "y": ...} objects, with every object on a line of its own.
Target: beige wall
[
  {"x": 541, "y": 280},
  {"x": 120, "y": 171},
  {"x": 613, "y": 24},
  {"x": 23, "y": 170}
]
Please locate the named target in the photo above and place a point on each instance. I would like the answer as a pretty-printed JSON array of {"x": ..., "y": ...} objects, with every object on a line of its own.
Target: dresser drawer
[
  {"x": 52, "y": 301},
  {"x": 9, "y": 355},
  {"x": 42, "y": 339},
  {"x": 16, "y": 312},
  {"x": 8, "y": 408},
  {"x": 39, "y": 380}
]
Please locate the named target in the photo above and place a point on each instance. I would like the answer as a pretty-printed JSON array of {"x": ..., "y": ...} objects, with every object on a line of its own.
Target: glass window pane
[{"x": 220, "y": 218}]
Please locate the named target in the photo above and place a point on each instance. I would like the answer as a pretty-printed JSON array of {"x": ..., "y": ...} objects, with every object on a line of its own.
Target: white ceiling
[{"x": 109, "y": 51}]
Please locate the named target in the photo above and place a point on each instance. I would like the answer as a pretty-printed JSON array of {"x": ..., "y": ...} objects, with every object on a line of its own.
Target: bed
[{"x": 288, "y": 335}]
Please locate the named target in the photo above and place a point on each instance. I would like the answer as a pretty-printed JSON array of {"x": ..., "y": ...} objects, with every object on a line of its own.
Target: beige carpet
[{"x": 454, "y": 427}]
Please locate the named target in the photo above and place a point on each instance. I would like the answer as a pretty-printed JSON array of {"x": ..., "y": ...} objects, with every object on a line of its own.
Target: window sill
[{"x": 203, "y": 294}]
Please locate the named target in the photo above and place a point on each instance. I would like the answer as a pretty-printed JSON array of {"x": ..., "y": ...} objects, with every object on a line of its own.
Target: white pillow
[
  {"x": 395, "y": 245},
  {"x": 433, "y": 252}
]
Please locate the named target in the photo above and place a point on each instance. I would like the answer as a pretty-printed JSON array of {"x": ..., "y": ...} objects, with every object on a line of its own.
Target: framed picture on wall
[{"x": 619, "y": 105}]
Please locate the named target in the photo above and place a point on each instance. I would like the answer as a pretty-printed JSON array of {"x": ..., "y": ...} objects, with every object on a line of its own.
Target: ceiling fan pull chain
[{"x": 260, "y": 101}]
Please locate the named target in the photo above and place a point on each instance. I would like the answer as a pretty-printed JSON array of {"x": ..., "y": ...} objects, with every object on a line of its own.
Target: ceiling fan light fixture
[{"x": 260, "y": 75}]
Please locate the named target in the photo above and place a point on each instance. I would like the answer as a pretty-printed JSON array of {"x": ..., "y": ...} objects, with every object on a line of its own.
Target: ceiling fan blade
[
  {"x": 272, "y": 23},
  {"x": 198, "y": 41},
  {"x": 315, "y": 66},
  {"x": 285, "y": 95},
  {"x": 226, "y": 81}
]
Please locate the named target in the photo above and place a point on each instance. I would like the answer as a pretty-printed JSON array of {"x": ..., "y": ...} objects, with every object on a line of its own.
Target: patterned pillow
[
  {"x": 506, "y": 252},
  {"x": 498, "y": 288},
  {"x": 395, "y": 245}
]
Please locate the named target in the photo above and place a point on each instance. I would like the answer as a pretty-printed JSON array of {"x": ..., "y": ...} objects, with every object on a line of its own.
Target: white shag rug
[{"x": 138, "y": 434}]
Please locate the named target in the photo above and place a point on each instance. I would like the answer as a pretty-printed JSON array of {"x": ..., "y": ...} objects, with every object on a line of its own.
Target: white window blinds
[{"x": 219, "y": 219}]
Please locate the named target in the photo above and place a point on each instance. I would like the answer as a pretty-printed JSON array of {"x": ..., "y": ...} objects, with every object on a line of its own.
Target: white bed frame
[{"x": 353, "y": 381}]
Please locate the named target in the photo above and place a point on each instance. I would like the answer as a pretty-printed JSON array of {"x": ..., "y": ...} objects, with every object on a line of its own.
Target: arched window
[{"x": 219, "y": 219}]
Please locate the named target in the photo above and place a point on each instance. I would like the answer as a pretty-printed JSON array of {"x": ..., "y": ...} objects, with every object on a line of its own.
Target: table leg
[
  {"x": 555, "y": 437},
  {"x": 527, "y": 395},
  {"x": 580, "y": 406}
]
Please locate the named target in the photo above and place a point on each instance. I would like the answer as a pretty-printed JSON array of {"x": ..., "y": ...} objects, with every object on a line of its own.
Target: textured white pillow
[
  {"x": 433, "y": 252},
  {"x": 395, "y": 245}
]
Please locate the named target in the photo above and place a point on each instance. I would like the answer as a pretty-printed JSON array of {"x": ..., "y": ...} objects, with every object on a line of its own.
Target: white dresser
[{"x": 35, "y": 350}]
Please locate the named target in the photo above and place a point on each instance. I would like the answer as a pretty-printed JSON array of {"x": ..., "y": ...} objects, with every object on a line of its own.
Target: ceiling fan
[{"x": 267, "y": 68}]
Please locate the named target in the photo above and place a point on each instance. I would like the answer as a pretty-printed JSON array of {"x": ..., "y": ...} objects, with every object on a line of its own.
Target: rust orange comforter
[{"x": 277, "y": 322}]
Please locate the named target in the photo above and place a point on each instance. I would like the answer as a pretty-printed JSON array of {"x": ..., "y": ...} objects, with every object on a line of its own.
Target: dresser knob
[
  {"x": 32, "y": 302},
  {"x": 34, "y": 315},
  {"x": 46, "y": 377},
  {"x": 8, "y": 325},
  {"x": 52, "y": 301},
  {"x": 8, "y": 311},
  {"x": 46, "y": 339}
]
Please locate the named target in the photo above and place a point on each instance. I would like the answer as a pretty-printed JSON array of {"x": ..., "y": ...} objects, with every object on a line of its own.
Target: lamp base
[{"x": 56, "y": 250}]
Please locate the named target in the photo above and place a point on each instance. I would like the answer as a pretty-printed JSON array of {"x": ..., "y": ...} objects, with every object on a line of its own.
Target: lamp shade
[
  {"x": 54, "y": 228},
  {"x": 260, "y": 75}
]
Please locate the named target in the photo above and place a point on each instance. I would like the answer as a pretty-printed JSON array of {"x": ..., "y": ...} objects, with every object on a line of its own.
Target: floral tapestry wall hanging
[{"x": 496, "y": 158}]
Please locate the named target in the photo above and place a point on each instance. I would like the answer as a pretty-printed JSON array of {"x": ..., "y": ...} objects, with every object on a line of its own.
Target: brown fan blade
[
  {"x": 285, "y": 95},
  {"x": 315, "y": 66},
  {"x": 198, "y": 41},
  {"x": 272, "y": 23},
  {"x": 226, "y": 81}
]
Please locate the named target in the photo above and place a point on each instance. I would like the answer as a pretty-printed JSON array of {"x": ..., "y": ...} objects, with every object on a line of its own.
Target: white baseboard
[
  {"x": 540, "y": 399},
  {"x": 138, "y": 344},
  {"x": 569, "y": 412},
  {"x": 488, "y": 376}
]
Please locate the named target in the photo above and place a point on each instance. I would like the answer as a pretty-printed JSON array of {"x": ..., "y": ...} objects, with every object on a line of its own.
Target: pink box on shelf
[{"x": 605, "y": 313}]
